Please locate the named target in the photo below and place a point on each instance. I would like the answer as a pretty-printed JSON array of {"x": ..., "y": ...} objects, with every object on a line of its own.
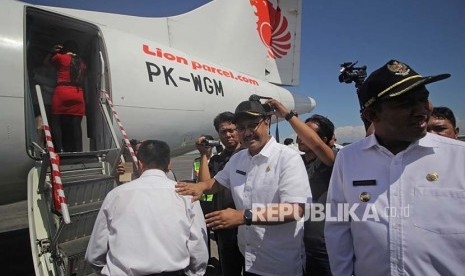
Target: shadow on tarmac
[{"x": 15, "y": 253}]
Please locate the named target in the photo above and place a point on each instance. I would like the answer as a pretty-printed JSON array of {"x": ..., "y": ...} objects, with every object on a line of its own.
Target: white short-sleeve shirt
[
  {"x": 419, "y": 197},
  {"x": 144, "y": 227},
  {"x": 275, "y": 175}
]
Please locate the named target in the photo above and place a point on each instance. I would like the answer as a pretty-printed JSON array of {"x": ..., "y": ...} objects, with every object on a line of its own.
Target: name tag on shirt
[
  {"x": 371, "y": 182},
  {"x": 240, "y": 172}
]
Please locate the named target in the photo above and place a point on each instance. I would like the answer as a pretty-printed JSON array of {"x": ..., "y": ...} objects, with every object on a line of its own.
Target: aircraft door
[{"x": 43, "y": 31}]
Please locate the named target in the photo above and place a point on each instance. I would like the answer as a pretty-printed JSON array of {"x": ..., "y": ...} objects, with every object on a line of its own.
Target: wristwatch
[
  {"x": 248, "y": 216},
  {"x": 291, "y": 114}
]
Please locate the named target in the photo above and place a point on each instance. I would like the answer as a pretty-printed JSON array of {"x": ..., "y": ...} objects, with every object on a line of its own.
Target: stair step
[
  {"x": 75, "y": 174},
  {"x": 81, "y": 166},
  {"x": 84, "y": 178},
  {"x": 87, "y": 191},
  {"x": 84, "y": 155},
  {"x": 73, "y": 247},
  {"x": 74, "y": 253},
  {"x": 81, "y": 226},
  {"x": 76, "y": 210}
]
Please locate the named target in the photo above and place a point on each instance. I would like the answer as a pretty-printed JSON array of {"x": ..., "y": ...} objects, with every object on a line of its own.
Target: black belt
[{"x": 172, "y": 273}]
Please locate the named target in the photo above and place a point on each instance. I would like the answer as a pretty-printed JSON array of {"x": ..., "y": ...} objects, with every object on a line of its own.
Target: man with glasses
[
  {"x": 269, "y": 185},
  {"x": 230, "y": 256}
]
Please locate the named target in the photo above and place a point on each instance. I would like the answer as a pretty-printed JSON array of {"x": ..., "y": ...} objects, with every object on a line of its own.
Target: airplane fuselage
[{"x": 159, "y": 92}]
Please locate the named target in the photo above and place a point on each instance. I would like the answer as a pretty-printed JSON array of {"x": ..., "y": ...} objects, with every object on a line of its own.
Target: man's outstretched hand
[
  {"x": 193, "y": 189},
  {"x": 227, "y": 218}
]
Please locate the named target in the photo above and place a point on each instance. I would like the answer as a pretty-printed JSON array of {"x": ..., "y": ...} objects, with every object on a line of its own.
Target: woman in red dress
[{"x": 68, "y": 104}]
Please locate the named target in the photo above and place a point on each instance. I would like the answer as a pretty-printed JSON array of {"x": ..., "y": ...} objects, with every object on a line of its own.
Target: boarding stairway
[
  {"x": 86, "y": 179},
  {"x": 59, "y": 243}
]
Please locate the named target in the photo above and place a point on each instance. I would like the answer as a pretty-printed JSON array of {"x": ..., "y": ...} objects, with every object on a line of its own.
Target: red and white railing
[
  {"x": 121, "y": 127},
  {"x": 59, "y": 199}
]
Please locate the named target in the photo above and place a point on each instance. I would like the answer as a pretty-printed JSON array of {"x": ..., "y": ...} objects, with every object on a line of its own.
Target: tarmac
[{"x": 15, "y": 250}]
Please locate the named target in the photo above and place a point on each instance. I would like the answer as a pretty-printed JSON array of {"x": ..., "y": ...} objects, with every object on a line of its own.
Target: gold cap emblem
[
  {"x": 365, "y": 197},
  {"x": 432, "y": 177}
]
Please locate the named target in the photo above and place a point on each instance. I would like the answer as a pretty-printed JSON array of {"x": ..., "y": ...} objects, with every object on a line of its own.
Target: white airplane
[{"x": 167, "y": 77}]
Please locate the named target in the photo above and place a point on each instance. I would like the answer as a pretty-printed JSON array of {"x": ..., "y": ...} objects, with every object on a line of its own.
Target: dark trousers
[
  {"x": 231, "y": 258},
  {"x": 67, "y": 133},
  {"x": 317, "y": 266},
  {"x": 315, "y": 249}
]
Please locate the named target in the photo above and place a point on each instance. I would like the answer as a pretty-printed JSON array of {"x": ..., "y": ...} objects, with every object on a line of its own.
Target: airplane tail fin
[{"x": 257, "y": 37}]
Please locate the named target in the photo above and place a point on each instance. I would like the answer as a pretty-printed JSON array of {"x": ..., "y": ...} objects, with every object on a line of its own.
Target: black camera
[
  {"x": 268, "y": 107},
  {"x": 210, "y": 143},
  {"x": 349, "y": 73}
]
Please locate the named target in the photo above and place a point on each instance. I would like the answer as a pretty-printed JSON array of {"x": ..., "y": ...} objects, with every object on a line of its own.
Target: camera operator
[
  {"x": 315, "y": 139},
  {"x": 230, "y": 256},
  {"x": 206, "y": 151}
]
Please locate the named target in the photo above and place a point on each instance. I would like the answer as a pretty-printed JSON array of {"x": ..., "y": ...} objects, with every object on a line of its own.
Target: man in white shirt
[
  {"x": 401, "y": 190},
  {"x": 145, "y": 228},
  {"x": 269, "y": 185}
]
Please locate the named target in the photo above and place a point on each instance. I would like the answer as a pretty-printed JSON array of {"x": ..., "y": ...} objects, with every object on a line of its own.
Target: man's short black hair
[
  {"x": 222, "y": 118},
  {"x": 154, "y": 154},
  {"x": 445, "y": 113},
  {"x": 325, "y": 126}
]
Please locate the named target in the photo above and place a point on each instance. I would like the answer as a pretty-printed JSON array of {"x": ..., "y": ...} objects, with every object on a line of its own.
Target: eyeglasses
[{"x": 251, "y": 127}]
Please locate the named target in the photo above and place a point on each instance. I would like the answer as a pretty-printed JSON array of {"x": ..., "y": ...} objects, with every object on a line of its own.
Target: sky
[{"x": 428, "y": 35}]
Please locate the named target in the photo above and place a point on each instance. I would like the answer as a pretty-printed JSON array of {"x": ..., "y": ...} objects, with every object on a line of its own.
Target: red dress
[{"x": 67, "y": 99}]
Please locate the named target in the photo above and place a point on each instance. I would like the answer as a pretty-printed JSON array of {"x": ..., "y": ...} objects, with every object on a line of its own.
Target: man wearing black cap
[
  {"x": 403, "y": 188},
  {"x": 269, "y": 185}
]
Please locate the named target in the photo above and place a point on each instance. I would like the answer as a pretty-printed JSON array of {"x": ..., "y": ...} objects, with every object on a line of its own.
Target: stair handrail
[
  {"x": 118, "y": 121},
  {"x": 59, "y": 199},
  {"x": 121, "y": 128}
]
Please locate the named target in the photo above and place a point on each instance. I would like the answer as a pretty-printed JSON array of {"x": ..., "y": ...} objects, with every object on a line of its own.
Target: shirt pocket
[{"x": 439, "y": 211}]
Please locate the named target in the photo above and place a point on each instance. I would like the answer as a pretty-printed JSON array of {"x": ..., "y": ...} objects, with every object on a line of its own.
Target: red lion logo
[{"x": 272, "y": 28}]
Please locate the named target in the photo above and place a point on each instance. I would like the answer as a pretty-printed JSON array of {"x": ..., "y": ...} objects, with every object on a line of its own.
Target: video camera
[
  {"x": 349, "y": 73},
  {"x": 268, "y": 107},
  {"x": 210, "y": 143}
]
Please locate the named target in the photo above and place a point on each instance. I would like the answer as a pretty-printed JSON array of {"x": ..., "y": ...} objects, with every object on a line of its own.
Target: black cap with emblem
[
  {"x": 249, "y": 109},
  {"x": 393, "y": 79}
]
